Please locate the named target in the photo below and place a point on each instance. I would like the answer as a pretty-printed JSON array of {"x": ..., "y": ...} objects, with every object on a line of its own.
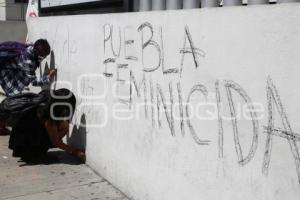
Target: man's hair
[
  {"x": 66, "y": 101},
  {"x": 42, "y": 44}
]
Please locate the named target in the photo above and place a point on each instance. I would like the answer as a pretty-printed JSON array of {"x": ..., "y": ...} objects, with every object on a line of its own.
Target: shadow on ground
[{"x": 52, "y": 157}]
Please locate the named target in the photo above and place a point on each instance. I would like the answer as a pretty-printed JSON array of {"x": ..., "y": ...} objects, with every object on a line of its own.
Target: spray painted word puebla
[{"x": 117, "y": 39}]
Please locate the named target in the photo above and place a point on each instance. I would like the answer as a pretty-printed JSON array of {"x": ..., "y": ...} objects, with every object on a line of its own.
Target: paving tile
[{"x": 65, "y": 178}]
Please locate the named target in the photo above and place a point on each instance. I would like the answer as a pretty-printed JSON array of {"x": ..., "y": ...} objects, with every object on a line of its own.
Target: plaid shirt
[{"x": 20, "y": 72}]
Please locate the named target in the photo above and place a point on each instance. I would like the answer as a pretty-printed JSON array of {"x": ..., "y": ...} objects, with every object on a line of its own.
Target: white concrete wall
[{"x": 248, "y": 53}]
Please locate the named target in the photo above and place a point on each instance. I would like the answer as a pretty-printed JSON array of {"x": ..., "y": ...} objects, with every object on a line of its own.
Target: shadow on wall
[
  {"x": 78, "y": 136},
  {"x": 47, "y": 69}
]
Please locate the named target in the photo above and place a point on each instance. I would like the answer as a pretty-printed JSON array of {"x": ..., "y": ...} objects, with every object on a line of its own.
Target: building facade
[
  {"x": 183, "y": 104},
  {"x": 13, "y": 10}
]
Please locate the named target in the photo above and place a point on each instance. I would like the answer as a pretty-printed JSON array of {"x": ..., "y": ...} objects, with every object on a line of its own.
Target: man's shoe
[{"x": 17, "y": 153}]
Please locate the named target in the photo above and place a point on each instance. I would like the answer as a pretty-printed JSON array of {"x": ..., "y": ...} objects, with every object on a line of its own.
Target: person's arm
[
  {"x": 56, "y": 141},
  {"x": 45, "y": 79},
  {"x": 41, "y": 82},
  {"x": 29, "y": 67}
]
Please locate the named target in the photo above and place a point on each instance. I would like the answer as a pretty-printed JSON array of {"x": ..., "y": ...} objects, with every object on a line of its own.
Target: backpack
[
  {"x": 10, "y": 50},
  {"x": 12, "y": 108}
]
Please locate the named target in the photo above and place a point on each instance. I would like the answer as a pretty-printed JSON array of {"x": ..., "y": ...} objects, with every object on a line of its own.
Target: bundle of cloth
[{"x": 39, "y": 122}]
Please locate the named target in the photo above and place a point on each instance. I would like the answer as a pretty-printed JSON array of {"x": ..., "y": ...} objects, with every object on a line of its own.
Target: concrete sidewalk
[{"x": 64, "y": 179}]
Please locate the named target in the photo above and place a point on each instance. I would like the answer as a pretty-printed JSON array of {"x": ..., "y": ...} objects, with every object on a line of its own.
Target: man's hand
[
  {"x": 52, "y": 74},
  {"x": 80, "y": 154}
]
